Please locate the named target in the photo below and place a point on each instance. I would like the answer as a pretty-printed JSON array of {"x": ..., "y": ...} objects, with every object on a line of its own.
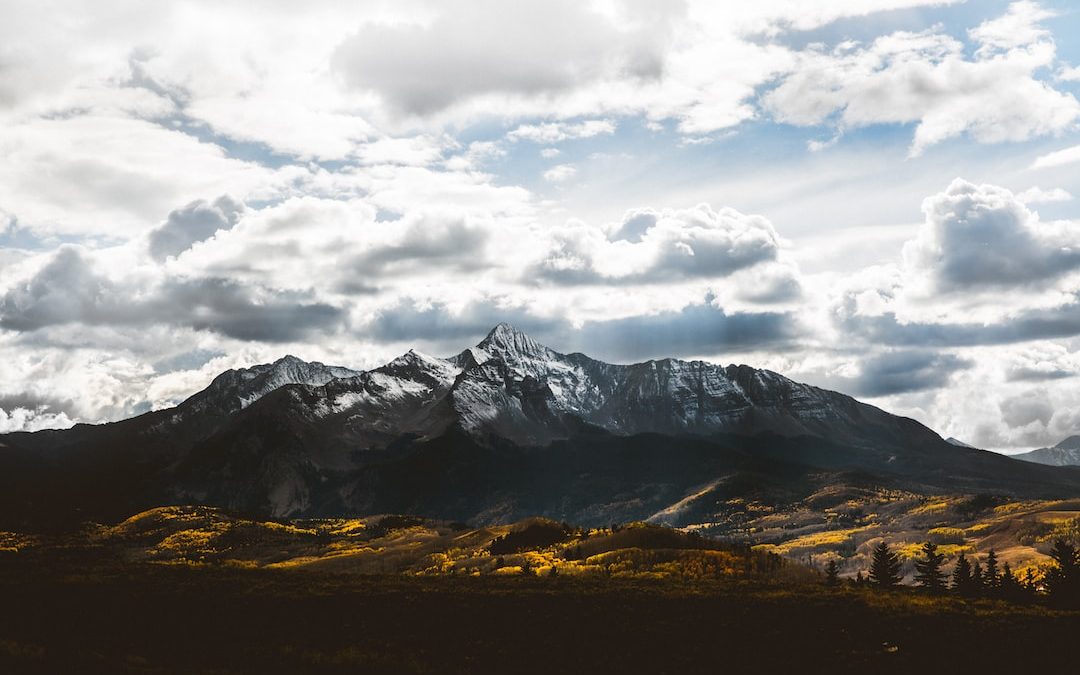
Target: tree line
[{"x": 1060, "y": 584}]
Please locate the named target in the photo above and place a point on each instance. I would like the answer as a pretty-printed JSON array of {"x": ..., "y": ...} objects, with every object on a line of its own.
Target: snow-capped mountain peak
[{"x": 511, "y": 344}]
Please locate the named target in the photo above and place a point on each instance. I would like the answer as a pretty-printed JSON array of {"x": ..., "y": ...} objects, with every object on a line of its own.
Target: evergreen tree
[
  {"x": 961, "y": 576},
  {"x": 1063, "y": 579},
  {"x": 859, "y": 578},
  {"x": 1009, "y": 587},
  {"x": 832, "y": 573},
  {"x": 991, "y": 578},
  {"x": 884, "y": 567},
  {"x": 928, "y": 572},
  {"x": 976, "y": 579}
]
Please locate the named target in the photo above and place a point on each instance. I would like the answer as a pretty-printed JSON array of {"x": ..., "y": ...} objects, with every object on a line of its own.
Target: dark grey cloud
[
  {"x": 903, "y": 372},
  {"x": 67, "y": 290},
  {"x": 1029, "y": 325},
  {"x": 1028, "y": 374},
  {"x": 697, "y": 329},
  {"x": 242, "y": 312},
  {"x": 447, "y": 243},
  {"x": 195, "y": 222},
  {"x": 35, "y": 401},
  {"x": 694, "y": 330}
]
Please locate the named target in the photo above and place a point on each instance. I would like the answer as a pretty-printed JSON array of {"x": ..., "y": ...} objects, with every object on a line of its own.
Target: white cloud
[
  {"x": 555, "y": 132},
  {"x": 560, "y": 173},
  {"x": 1018, "y": 27},
  {"x": 926, "y": 78},
  {"x": 24, "y": 419},
  {"x": 1037, "y": 195},
  {"x": 115, "y": 176},
  {"x": 1057, "y": 158}
]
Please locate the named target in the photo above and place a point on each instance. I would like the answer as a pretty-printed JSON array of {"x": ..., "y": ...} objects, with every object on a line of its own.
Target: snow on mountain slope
[{"x": 1065, "y": 453}]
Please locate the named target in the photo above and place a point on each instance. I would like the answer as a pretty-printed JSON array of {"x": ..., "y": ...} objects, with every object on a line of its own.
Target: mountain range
[
  {"x": 505, "y": 429},
  {"x": 1065, "y": 453}
]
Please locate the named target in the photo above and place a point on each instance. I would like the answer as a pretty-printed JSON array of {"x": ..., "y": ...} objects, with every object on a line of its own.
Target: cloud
[
  {"x": 1018, "y": 27},
  {"x": 555, "y": 132},
  {"x": 68, "y": 289},
  {"x": 661, "y": 245},
  {"x": 1026, "y": 374},
  {"x": 113, "y": 177},
  {"x": 982, "y": 236},
  {"x": 485, "y": 47},
  {"x": 926, "y": 78},
  {"x": 560, "y": 173},
  {"x": 1027, "y": 408},
  {"x": 1057, "y": 158},
  {"x": 897, "y": 372},
  {"x": 25, "y": 419},
  {"x": 1022, "y": 326},
  {"x": 193, "y": 223},
  {"x": 1037, "y": 195}
]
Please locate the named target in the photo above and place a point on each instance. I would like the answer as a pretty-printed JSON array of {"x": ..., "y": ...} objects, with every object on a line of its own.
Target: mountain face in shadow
[
  {"x": 1065, "y": 453},
  {"x": 505, "y": 429}
]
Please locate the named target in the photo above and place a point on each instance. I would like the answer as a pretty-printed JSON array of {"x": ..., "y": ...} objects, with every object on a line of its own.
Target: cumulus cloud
[
  {"x": 26, "y": 419},
  {"x": 657, "y": 245},
  {"x": 193, "y": 223},
  {"x": 982, "y": 236}
]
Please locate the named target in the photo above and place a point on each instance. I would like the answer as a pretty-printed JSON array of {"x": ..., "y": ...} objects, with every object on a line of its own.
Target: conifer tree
[
  {"x": 961, "y": 576},
  {"x": 1063, "y": 579},
  {"x": 859, "y": 578},
  {"x": 991, "y": 578},
  {"x": 928, "y": 572},
  {"x": 884, "y": 567},
  {"x": 976, "y": 578},
  {"x": 1009, "y": 586},
  {"x": 832, "y": 573}
]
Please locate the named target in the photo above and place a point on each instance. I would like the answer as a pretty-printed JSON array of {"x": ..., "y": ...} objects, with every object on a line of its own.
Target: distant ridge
[{"x": 1065, "y": 453}]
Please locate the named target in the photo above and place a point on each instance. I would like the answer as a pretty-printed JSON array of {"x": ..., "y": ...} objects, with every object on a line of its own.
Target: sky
[{"x": 873, "y": 196}]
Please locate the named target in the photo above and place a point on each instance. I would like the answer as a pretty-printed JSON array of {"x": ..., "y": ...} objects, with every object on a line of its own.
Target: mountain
[
  {"x": 957, "y": 442},
  {"x": 505, "y": 429},
  {"x": 1065, "y": 453}
]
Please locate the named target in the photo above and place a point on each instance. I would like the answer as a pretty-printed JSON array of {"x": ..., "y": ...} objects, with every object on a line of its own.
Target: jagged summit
[{"x": 506, "y": 340}]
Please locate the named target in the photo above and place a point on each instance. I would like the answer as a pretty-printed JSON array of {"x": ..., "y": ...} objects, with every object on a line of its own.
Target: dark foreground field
[{"x": 145, "y": 618}]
